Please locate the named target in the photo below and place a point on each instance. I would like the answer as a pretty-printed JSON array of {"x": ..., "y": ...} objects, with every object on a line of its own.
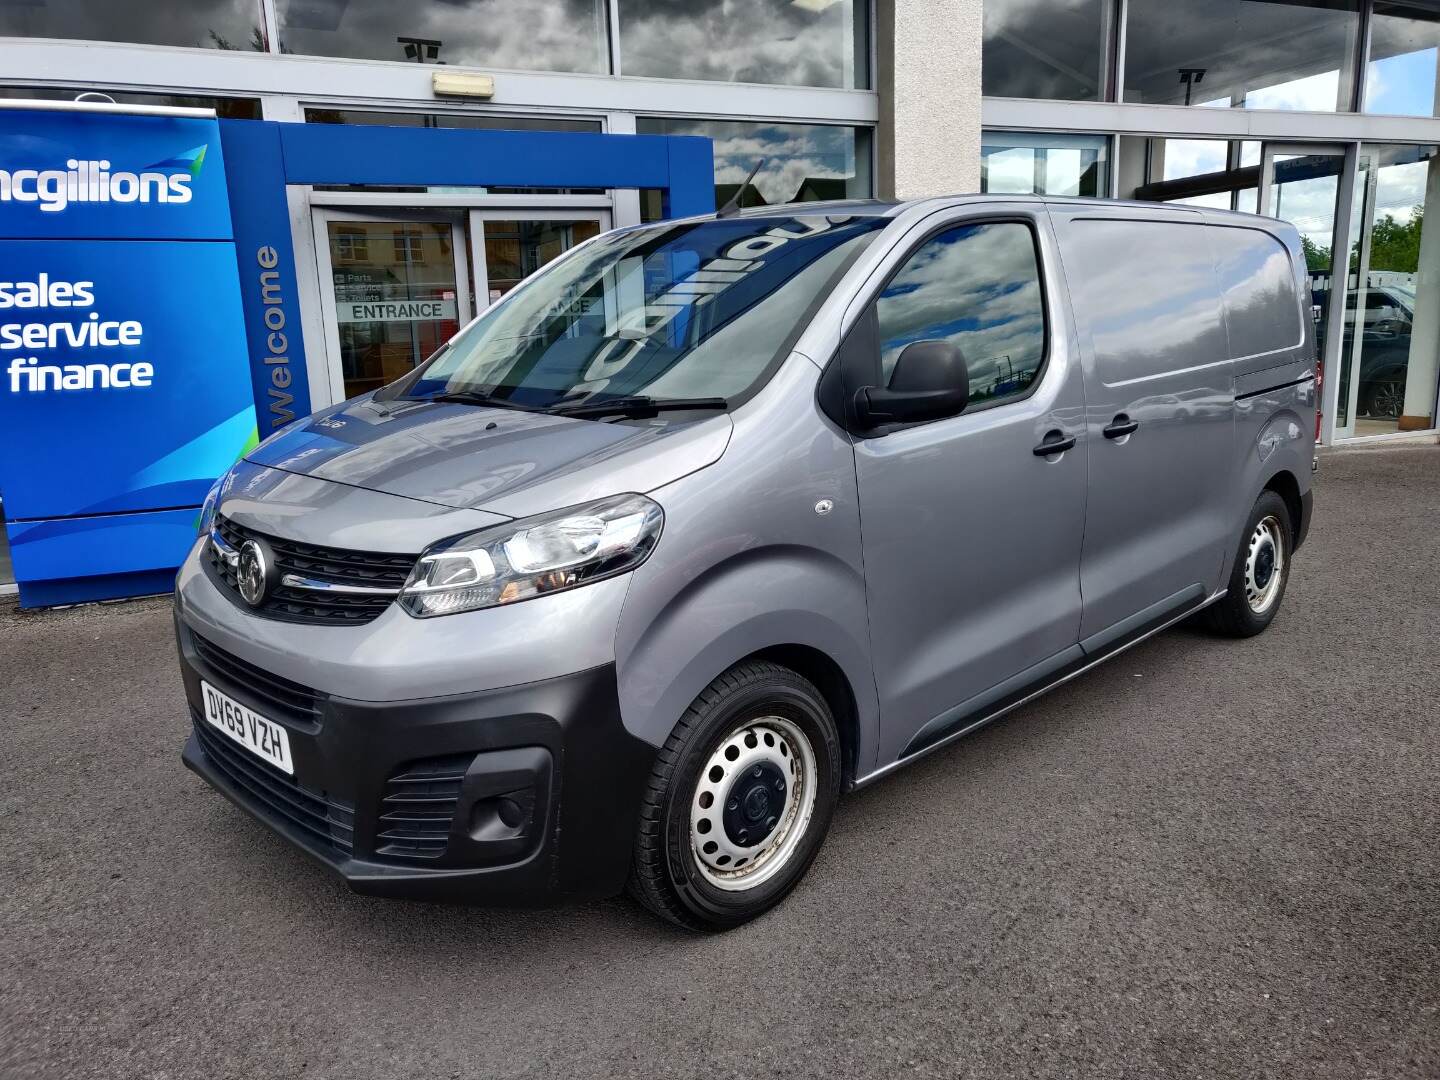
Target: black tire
[
  {"x": 1234, "y": 615},
  {"x": 666, "y": 873}
]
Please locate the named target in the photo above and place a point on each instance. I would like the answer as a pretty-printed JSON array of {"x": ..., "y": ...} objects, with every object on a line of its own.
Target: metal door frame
[
  {"x": 1341, "y": 232},
  {"x": 321, "y": 217}
]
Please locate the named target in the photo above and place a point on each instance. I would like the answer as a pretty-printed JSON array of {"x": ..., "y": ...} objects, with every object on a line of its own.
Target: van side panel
[
  {"x": 1153, "y": 341},
  {"x": 1263, "y": 280}
]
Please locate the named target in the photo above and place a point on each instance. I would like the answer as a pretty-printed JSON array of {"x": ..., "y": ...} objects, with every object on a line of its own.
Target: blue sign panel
[
  {"x": 122, "y": 373},
  {"x": 124, "y": 378},
  {"x": 90, "y": 175}
]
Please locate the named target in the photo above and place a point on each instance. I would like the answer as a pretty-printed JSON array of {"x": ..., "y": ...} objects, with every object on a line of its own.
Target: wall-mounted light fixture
[{"x": 454, "y": 84}]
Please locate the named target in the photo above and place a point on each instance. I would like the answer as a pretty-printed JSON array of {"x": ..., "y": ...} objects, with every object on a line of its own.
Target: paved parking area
[{"x": 1208, "y": 858}]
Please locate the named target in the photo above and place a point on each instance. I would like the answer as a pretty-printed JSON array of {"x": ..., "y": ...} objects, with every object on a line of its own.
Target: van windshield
[{"x": 669, "y": 313}]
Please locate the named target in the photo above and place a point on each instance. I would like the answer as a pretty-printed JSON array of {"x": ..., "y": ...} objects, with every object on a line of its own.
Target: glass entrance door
[
  {"x": 1388, "y": 358},
  {"x": 399, "y": 289},
  {"x": 509, "y": 246}
]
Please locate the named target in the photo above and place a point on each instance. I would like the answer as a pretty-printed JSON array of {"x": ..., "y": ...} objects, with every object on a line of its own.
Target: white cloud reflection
[{"x": 976, "y": 287}]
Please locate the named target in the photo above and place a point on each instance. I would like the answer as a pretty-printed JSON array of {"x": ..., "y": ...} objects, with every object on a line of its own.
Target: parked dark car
[{"x": 1384, "y": 348}]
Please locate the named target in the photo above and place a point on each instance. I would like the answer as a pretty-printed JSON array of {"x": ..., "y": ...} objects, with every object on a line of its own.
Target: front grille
[
  {"x": 281, "y": 699},
  {"x": 418, "y": 807},
  {"x": 330, "y": 821},
  {"x": 337, "y": 566}
]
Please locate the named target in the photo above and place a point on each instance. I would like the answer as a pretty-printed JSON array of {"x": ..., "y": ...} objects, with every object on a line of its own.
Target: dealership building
[{"x": 1321, "y": 112}]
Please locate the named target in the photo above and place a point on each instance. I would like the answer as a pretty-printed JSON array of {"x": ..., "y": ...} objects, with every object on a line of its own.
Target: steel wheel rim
[
  {"x": 779, "y": 746},
  {"x": 1264, "y": 565}
]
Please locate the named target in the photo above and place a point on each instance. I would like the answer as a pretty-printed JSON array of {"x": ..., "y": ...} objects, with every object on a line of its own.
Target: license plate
[{"x": 263, "y": 738}]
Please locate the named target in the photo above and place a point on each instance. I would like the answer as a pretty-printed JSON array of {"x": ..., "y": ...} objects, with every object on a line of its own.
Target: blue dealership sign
[
  {"x": 92, "y": 175},
  {"x": 125, "y": 385}
]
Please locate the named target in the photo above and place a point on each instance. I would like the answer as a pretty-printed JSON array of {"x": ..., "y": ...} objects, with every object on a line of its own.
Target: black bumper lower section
[
  {"x": 1307, "y": 508},
  {"x": 524, "y": 795}
]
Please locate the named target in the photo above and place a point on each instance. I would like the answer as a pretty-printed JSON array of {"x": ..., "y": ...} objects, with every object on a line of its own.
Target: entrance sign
[{"x": 368, "y": 311}]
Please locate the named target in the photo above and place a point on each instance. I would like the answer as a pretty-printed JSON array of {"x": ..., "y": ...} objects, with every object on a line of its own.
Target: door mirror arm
[{"x": 876, "y": 406}]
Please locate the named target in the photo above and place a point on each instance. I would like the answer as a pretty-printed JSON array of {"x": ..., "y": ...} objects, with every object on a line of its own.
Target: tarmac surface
[{"x": 1207, "y": 858}]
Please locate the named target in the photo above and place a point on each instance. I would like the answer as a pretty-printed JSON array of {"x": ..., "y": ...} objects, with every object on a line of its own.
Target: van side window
[
  {"x": 1259, "y": 291},
  {"x": 977, "y": 286}
]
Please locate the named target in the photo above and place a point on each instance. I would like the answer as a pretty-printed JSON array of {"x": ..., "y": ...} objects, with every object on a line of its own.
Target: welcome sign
[{"x": 125, "y": 387}]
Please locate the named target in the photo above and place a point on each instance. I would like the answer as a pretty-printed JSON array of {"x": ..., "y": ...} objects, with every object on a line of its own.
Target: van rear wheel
[
  {"x": 1261, "y": 571},
  {"x": 739, "y": 800}
]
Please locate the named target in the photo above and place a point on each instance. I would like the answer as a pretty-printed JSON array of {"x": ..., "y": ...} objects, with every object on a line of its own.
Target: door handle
[
  {"x": 1121, "y": 426},
  {"x": 1055, "y": 442}
]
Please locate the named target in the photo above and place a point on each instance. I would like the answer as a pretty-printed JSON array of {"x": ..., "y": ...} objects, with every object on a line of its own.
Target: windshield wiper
[
  {"x": 467, "y": 397},
  {"x": 638, "y": 405}
]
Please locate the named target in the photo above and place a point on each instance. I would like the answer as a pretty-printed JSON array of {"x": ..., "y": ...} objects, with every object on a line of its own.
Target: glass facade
[
  {"x": 1039, "y": 49},
  {"x": 803, "y": 162},
  {"x": 774, "y": 42},
  {"x": 780, "y": 42},
  {"x": 533, "y": 35},
  {"x": 1400, "y": 77},
  {"x": 200, "y": 24},
  {"x": 1242, "y": 53},
  {"x": 1039, "y": 164}
]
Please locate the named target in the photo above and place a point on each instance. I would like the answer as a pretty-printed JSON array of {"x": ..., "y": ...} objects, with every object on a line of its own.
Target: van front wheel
[
  {"x": 739, "y": 799},
  {"x": 1261, "y": 571}
]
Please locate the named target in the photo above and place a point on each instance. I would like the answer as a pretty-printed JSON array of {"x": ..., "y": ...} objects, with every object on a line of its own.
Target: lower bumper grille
[
  {"x": 282, "y": 698},
  {"x": 328, "y": 820},
  {"x": 418, "y": 807}
]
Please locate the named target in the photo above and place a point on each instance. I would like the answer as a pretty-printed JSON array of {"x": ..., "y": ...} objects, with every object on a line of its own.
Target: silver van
[{"x": 713, "y": 520}]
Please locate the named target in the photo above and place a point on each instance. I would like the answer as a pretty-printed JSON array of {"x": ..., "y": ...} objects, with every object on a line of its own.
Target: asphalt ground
[{"x": 1208, "y": 858}]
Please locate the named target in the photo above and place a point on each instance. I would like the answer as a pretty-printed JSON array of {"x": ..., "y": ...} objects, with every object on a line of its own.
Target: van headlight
[
  {"x": 207, "y": 508},
  {"x": 538, "y": 555}
]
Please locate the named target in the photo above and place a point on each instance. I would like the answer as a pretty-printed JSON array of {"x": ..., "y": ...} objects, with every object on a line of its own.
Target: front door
[
  {"x": 398, "y": 290},
  {"x": 972, "y": 537}
]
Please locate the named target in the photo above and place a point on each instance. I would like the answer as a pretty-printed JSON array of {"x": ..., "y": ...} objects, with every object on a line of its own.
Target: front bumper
[{"x": 523, "y": 795}]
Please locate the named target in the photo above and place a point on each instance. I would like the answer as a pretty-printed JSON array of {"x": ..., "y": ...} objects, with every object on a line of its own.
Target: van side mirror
[{"x": 931, "y": 381}]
